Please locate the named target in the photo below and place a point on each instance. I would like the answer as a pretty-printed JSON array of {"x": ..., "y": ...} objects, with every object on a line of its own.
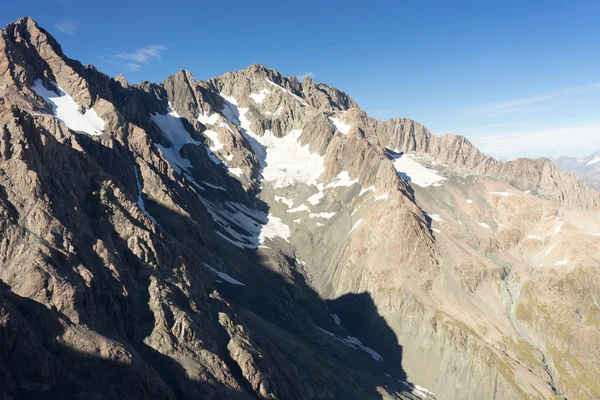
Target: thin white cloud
[
  {"x": 523, "y": 103},
  {"x": 108, "y": 61},
  {"x": 143, "y": 55},
  {"x": 133, "y": 67},
  {"x": 304, "y": 76},
  {"x": 68, "y": 26},
  {"x": 478, "y": 129},
  {"x": 564, "y": 141}
]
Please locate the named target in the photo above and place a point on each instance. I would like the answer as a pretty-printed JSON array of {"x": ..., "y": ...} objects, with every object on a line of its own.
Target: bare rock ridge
[{"x": 251, "y": 236}]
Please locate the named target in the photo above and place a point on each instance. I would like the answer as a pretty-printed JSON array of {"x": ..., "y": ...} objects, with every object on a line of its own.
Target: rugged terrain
[
  {"x": 251, "y": 236},
  {"x": 586, "y": 169}
]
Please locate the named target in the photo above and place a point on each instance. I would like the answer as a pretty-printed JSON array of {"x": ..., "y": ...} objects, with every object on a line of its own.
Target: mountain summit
[{"x": 251, "y": 236}]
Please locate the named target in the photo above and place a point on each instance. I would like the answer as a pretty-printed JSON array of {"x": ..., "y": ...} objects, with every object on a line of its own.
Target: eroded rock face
[
  {"x": 251, "y": 236},
  {"x": 465, "y": 159}
]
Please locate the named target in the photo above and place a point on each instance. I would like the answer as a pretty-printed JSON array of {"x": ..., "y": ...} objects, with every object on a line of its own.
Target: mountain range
[
  {"x": 586, "y": 169},
  {"x": 252, "y": 236}
]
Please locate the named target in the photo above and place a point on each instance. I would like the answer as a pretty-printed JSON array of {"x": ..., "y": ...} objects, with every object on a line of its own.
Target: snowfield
[
  {"x": 284, "y": 161},
  {"x": 67, "y": 110},
  {"x": 594, "y": 160},
  {"x": 412, "y": 171},
  {"x": 208, "y": 119},
  {"x": 340, "y": 126},
  {"x": 260, "y": 96}
]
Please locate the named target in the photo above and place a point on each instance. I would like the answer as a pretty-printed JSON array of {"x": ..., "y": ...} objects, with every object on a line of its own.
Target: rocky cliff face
[{"x": 250, "y": 236}]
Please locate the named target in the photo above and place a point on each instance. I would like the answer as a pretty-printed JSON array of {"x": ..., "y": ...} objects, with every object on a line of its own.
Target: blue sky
[{"x": 518, "y": 78}]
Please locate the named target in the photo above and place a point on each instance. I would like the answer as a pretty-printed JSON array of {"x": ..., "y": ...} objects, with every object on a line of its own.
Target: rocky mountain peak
[{"x": 251, "y": 236}]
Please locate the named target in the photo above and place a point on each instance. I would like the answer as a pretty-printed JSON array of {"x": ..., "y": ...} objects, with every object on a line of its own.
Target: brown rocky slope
[{"x": 250, "y": 236}]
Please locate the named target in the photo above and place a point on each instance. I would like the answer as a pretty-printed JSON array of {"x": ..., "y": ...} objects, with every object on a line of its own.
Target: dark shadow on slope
[
  {"x": 117, "y": 308},
  {"x": 36, "y": 366},
  {"x": 276, "y": 303},
  {"x": 359, "y": 316}
]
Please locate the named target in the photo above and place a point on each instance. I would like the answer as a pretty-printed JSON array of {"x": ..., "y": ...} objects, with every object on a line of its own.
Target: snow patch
[
  {"x": 418, "y": 390},
  {"x": 236, "y": 171},
  {"x": 340, "y": 126},
  {"x": 66, "y": 109},
  {"x": 559, "y": 227},
  {"x": 316, "y": 198},
  {"x": 301, "y": 207},
  {"x": 353, "y": 342},
  {"x": 260, "y": 96},
  {"x": 343, "y": 179},
  {"x": 595, "y": 160},
  {"x": 562, "y": 262},
  {"x": 224, "y": 276},
  {"x": 210, "y": 185},
  {"x": 171, "y": 126},
  {"x": 284, "y": 160},
  {"x": 214, "y": 137},
  {"x": 435, "y": 217},
  {"x": 536, "y": 237},
  {"x": 483, "y": 224},
  {"x": 274, "y": 228},
  {"x": 382, "y": 197},
  {"x": 336, "y": 318},
  {"x": 287, "y": 91},
  {"x": 503, "y": 194},
  {"x": 208, "y": 119},
  {"x": 177, "y": 162},
  {"x": 355, "y": 225},
  {"x": 325, "y": 215},
  {"x": 469, "y": 201},
  {"x": 412, "y": 171},
  {"x": 242, "y": 226},
  {"x": 365, "y": 190},
  {"x": 287, "y": 202}
]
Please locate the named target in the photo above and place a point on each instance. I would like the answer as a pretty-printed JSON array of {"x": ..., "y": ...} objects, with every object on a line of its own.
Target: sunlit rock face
[{"x": 252, "y": 236}]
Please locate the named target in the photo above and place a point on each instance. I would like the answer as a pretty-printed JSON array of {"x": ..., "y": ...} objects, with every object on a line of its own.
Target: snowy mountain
[
  {"x": 251, "y": 236},
  {"x": 587, "y": 169}
]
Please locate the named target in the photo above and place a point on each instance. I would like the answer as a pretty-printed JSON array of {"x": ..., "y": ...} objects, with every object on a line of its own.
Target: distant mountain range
[{"x": 587, "y": 169}]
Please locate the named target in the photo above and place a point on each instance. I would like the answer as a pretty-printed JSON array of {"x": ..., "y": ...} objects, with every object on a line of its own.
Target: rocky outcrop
[
  {"x": 538, "y": 175},
  {"x": 249, "y": 236},
  {"x": 323, "y": 97},
  {"x": 110, "y": 260}
]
